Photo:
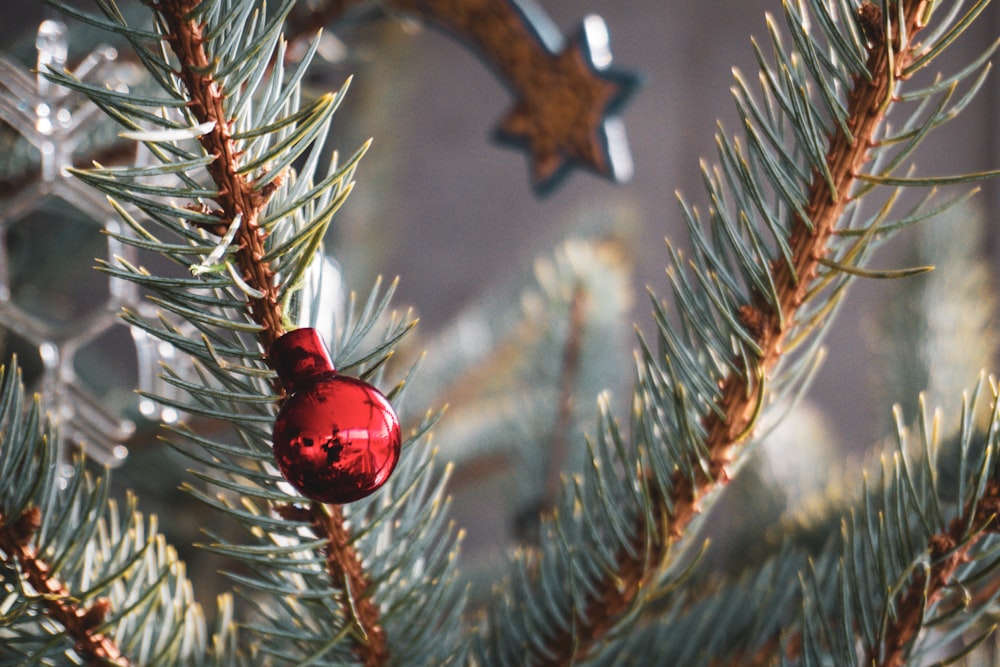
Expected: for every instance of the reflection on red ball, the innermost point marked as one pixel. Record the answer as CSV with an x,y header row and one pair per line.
x,y
336,438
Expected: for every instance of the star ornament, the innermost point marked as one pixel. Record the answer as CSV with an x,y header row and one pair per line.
x,y
566,94
566,112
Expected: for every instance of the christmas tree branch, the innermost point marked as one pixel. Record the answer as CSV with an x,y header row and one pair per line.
x,y
947,552
79,621
344,565
241,199
233,141
237,195
768,320
829,194
83,582
346,571
908,562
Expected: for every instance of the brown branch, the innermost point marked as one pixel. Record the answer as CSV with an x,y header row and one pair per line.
x,y
344,566
237,197
846,154
948,551
79,621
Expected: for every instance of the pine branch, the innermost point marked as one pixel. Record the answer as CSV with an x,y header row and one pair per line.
x,y
80,621
83,583
918,565
732,422
21,519
229,136
767,272
346,571
908,566
947,552
237,196
243,200
345,567
829,194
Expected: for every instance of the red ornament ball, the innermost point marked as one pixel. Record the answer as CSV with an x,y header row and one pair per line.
x,y
336,438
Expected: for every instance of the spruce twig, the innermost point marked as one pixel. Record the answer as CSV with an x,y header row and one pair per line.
x,y
239,199
79,621
947,552
732,423
237,196
344,566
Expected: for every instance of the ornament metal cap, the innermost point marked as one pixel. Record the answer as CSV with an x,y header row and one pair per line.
x,y
298,356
